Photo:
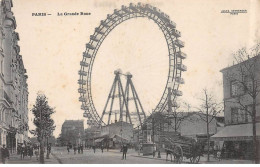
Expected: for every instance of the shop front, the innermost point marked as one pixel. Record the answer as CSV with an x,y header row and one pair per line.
x,y
11,141
237,141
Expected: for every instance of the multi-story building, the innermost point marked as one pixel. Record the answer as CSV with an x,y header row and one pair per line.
x,y
238,106
72,132
13,82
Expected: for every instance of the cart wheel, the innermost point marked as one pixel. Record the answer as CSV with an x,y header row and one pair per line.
x,y
196,159
178,157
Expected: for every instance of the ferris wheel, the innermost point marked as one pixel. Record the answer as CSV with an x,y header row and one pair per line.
x,y
176,56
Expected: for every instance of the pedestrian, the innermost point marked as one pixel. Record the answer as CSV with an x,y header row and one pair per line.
x,y
75,148
23,149
48,149
68,148
102,147
30,151
219,155
4,154
81,148
36,152
78,148
124,149
94,148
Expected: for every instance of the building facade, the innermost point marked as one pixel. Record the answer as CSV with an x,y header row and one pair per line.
x,y
114,135
188,124
238,107
72,132
13,82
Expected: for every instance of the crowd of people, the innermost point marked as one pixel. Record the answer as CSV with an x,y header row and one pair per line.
x,y
26,150
76,148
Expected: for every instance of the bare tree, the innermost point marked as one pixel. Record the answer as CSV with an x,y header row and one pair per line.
x,y
181,112
246,86
208,111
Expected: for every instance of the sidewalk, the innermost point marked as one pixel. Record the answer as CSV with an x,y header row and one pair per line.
x,y
16,159
203,159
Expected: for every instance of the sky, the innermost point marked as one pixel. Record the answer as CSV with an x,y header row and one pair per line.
x,y
52,48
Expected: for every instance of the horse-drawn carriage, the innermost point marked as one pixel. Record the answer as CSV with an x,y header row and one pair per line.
x,y
180,147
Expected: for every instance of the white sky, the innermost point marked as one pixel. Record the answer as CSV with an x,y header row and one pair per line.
x,y
52,48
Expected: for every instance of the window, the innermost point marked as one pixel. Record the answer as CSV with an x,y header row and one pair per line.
x,y
249,83
239,116
234,88
234,115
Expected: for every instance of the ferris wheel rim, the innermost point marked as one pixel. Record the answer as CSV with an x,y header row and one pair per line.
x,y
173,58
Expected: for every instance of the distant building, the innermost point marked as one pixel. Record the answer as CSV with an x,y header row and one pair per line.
x,y
114,134
72,131
190,126
13,83
237,134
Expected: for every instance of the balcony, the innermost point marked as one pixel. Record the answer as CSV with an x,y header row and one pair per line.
x,y
179,80
84,64
17,36
176,33
181,55
171,24
82,82
83,73
181,67
82,99
177,92
11,19
89,46
17,49
86,55
99,31
81,90
179,43
5,96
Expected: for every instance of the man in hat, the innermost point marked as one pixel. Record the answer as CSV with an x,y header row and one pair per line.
x,y
4,154
124,149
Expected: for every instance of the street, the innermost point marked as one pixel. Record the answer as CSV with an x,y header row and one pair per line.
x,y
60,155
110,157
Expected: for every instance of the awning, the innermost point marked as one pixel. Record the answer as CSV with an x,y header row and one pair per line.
x,y
237,132
121,139
99,140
